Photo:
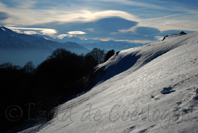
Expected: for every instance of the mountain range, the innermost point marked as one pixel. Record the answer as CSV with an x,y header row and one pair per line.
x,y
19,48
9,38
91,43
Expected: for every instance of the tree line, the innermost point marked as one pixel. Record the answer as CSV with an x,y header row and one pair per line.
x,y
60,77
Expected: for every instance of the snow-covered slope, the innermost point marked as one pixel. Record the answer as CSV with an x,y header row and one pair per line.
x,y
148,89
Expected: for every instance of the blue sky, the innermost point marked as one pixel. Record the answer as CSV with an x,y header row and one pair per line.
x,y
132,20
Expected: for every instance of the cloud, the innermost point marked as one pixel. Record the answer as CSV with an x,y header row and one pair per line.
x,y
30,32
4,15
159,37
99,28
116,19
159,5
146,31
44,31
104,29
133,3
19,3
140,34
76,32
48,31
181,21
26,15
107,26
112,24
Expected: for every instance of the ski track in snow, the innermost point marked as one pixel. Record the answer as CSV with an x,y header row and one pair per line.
x,y
132,100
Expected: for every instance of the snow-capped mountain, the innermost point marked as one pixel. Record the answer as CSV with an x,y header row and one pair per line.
x,y
71,38
148,89
90,43
8,38
65,39
20,48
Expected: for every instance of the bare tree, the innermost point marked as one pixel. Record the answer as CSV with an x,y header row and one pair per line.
x,y
97,54
29,67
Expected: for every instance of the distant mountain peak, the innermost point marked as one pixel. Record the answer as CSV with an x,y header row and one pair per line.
x,y
2,28
6,29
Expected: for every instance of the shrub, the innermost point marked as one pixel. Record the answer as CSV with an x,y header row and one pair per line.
x,y
109,54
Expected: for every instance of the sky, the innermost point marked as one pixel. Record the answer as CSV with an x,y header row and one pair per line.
x,y
139,21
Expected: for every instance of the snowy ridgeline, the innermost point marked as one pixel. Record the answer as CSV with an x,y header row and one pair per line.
x,y
153,88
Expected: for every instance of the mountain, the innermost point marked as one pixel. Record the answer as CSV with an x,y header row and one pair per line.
x,y
90,43
147,89
68,39
65,39
11,39
20,48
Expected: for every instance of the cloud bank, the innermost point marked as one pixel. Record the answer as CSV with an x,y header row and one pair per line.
x,y
102,19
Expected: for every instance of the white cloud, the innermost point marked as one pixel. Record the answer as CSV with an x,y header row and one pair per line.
x,y
133,3
156,4
183,21
30,32
48,31
130,29
91,16
44,31
76,32
26,16
159,37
